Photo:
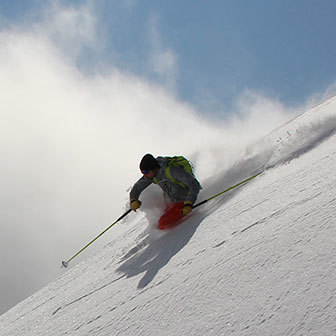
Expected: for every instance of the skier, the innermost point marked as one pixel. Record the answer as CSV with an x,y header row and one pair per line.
x,y
174,176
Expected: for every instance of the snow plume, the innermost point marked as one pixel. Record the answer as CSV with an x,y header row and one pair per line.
x,y
288,141
71,143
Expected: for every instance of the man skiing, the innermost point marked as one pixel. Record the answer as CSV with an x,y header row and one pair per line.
x,y
174,176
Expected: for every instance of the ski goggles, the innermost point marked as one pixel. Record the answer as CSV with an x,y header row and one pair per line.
x,y
145,172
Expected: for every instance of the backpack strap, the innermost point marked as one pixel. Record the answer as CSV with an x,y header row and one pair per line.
x,y
170,177
168,174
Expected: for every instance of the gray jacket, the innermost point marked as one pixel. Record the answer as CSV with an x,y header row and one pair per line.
x,y
173,191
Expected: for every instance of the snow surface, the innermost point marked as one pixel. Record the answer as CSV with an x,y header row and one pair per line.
x,y
259,260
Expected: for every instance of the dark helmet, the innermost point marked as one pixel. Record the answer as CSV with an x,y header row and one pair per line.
x,y
149,162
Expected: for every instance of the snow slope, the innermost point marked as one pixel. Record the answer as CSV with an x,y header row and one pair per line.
x,y
257,261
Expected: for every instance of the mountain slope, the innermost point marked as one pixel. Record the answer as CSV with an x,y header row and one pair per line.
x,y
258,261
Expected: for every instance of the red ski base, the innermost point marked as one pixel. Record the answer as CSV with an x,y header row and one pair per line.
x,y
171,217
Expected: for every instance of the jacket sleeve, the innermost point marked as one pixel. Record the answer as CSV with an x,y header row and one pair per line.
x,y
187,179
139,187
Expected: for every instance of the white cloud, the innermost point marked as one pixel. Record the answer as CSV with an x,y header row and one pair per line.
x,y
163,61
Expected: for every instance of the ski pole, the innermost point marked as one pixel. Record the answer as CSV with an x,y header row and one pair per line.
x,y
65,263
226,190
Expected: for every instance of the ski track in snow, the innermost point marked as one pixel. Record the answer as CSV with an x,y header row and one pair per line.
x,y
258,261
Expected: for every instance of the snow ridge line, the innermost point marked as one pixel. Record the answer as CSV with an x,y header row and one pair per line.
x,y
86,295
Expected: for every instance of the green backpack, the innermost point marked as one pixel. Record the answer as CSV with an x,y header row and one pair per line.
x,y
176,161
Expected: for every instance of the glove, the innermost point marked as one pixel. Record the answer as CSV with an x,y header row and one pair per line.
x,y
186,209
135,204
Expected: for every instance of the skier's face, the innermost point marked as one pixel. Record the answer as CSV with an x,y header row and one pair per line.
x,y
150,173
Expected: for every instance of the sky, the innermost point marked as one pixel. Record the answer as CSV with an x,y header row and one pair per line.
x,y
89,87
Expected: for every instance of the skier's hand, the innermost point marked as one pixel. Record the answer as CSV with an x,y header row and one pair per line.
x,y
135,204
186,209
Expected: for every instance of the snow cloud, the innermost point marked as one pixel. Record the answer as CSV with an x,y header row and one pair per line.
x,y
70,28
71,142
